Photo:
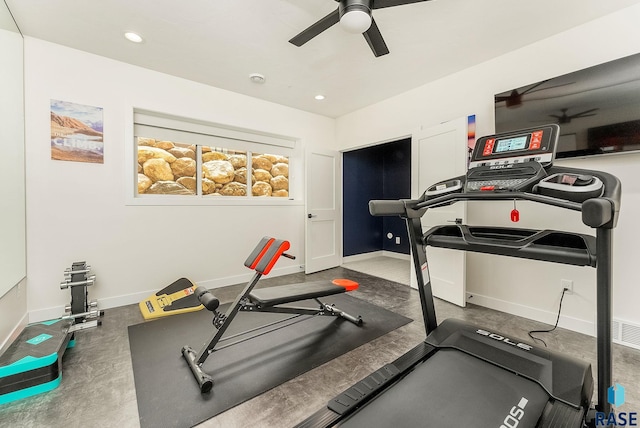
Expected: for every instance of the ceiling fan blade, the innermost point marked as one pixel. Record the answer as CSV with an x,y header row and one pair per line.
x,y
551,87
375,40
526,91
315,29
379,4
585,113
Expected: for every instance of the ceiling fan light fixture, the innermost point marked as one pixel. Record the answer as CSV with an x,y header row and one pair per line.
x,y
355,15
356,21
514,100
515,103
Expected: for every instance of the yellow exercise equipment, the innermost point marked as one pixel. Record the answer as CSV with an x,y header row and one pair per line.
x,y
176,298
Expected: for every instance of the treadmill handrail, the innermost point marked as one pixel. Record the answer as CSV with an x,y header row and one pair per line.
x,y
402,207
497,196
596,212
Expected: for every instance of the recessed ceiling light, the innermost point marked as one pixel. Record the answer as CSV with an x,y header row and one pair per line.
x,y
319,97
135,38
257,78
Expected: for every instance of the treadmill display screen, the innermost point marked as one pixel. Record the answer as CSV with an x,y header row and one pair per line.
x,y
533,144
511,144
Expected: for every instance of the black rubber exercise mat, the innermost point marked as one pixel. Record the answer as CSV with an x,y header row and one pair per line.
x,y
167,393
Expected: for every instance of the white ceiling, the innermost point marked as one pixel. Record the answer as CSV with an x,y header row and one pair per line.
x,y
221,42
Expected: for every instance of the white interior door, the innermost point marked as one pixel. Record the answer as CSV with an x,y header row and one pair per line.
x,y
323,230
440,153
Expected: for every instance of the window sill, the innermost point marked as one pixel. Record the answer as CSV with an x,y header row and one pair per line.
x,y
177,200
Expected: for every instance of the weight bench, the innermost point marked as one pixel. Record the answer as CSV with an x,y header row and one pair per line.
x,y
270,299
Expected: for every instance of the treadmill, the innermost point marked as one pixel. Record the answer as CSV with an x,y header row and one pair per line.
x,y
463,375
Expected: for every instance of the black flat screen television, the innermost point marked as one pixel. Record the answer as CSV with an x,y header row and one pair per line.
x,y
598,108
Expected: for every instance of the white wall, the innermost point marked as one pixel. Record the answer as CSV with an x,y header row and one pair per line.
x,y
13,300
523,287
76,211
12,202
13,307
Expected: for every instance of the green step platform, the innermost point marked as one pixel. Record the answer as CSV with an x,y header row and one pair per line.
x,y
33,362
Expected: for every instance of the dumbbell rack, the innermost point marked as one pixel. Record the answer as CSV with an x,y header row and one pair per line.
x,y
84,313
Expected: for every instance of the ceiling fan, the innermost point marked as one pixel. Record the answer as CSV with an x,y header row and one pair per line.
x,y
514,99
565,118
355,17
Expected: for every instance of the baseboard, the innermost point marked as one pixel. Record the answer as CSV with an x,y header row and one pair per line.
x,y
394,255
360,257
245,277
569,323
15,332
134,298
374,254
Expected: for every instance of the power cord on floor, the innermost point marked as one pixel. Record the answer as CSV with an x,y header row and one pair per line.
x,y
564,290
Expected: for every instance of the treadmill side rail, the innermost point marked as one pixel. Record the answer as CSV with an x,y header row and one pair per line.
x,y
327,417
367,387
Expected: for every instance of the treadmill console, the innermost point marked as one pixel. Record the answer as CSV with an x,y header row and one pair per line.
x,y
512,161
521,161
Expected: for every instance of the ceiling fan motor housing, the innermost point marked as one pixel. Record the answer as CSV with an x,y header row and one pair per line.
x,y
353,5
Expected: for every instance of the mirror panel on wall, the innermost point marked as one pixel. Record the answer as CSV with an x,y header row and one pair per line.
x,y
12,171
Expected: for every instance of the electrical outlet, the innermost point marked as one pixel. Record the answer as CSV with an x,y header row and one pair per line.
x,y
568,284
397,240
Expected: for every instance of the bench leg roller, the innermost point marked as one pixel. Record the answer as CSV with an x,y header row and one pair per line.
x,y
337,312
204,380
356,320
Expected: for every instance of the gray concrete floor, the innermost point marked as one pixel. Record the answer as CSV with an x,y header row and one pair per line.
x,y
98,389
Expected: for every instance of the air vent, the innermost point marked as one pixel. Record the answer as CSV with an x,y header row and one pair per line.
x,y
626,334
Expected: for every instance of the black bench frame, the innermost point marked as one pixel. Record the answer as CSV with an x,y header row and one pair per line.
x,y
262,259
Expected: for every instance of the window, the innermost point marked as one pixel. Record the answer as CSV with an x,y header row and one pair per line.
x,y
224,172
183,160
270,176
166,167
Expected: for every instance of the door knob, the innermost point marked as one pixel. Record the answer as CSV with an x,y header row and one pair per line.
x,y
311,215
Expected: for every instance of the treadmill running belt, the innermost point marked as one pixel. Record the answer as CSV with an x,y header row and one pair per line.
x,y
453,389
